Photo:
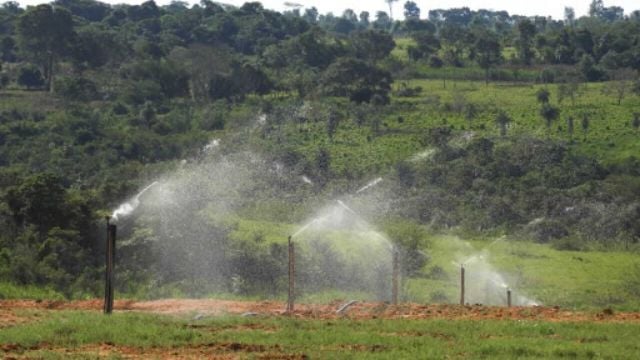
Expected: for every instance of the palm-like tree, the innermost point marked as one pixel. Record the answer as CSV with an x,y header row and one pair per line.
x,y
390,3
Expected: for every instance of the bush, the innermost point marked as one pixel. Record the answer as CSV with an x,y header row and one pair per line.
x,y
545,230
568,244
547,76
30,77
632,282
120,109
439,297
435,62
4,80
76,89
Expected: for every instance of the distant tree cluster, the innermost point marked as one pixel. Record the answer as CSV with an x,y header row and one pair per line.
x,y
207,52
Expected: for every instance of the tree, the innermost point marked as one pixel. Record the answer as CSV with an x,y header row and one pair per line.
x,y
585,123
470,113
542,95
488,52
30,77
371,45
390,3
203,64
323,163
524,44
589,69
595,8
570,89
383,21
333,120
148,115
355,79
549,113
38,200
570,16
44,33
503,120
570,126
617,88
411,10
426,45
364,19
455,41
311,15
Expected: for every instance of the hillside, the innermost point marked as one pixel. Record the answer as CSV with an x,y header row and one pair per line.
x,y
243,125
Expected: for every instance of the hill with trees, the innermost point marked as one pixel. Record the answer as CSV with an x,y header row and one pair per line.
x,y
482,122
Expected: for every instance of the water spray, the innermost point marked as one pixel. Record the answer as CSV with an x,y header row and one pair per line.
x,y
306,180
369,185
124,209
128,207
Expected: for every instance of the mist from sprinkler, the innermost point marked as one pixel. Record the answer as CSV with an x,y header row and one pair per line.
x,y
364,250
127,208
485,284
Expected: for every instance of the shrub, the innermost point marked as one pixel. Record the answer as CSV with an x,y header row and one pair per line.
x,y
120,109
76,89
30,77
4,80
435,62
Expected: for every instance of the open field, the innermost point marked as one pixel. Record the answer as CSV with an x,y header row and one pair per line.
x,y
183,329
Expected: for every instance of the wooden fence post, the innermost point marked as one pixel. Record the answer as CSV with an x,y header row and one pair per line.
x,y
292,276
109,259
395,275
462,285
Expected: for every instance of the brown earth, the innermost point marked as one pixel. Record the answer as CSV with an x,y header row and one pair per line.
x,y
362,310
14,312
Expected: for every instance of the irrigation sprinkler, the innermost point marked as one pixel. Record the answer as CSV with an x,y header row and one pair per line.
x,y
508,297
292,277
110,255
395,275
462,284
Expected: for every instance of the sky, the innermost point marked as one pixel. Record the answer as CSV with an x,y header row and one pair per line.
x,y
518,7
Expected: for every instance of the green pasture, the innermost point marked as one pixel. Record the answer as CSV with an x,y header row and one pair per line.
x,y
571,279
64,334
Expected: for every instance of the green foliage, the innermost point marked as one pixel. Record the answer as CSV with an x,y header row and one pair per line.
x,y
76,88
163,81
30,77
356,80
549,113
12,291
45,34
371,45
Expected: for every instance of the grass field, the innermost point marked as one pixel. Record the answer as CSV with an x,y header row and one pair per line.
x,y
572,279
358,151
83,334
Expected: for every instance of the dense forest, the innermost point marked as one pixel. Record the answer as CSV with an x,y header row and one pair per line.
x,y
99,100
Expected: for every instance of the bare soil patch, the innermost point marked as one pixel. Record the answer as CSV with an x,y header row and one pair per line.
x,y
212,307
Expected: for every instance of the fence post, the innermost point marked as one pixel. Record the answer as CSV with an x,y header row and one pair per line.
x,y
395,275
292,275
109,259
462,285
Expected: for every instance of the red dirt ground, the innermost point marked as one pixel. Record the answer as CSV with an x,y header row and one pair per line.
x,y
326,311
12,312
